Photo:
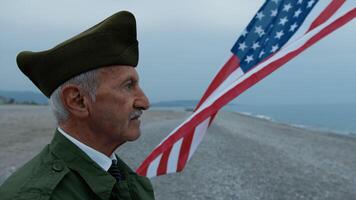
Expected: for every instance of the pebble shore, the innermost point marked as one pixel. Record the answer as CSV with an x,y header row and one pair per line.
x,y
241,157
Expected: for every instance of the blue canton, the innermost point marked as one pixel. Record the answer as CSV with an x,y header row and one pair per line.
x,y
273,25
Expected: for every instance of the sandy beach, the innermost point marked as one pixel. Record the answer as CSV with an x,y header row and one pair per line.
x,y
241,157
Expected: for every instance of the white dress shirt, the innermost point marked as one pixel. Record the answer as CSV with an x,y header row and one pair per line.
x,y
101,159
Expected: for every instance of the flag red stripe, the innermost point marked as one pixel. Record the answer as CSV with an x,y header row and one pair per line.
x,y
327,13
162,167
238,89
212,117
143,168
231,65
184,150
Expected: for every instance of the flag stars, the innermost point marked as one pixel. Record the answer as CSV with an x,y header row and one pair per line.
x,y
259,31
293,27
283,21
244,32
287,7
260,15
249,59
300,2
279,34
297,13
255,45
310,3
242,46
261,54
274,48
274,13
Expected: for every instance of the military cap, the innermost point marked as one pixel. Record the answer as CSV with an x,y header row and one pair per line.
x,y
111,42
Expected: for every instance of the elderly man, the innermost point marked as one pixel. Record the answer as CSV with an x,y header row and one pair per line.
x,y
94,92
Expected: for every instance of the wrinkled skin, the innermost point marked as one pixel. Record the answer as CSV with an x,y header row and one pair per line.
x,y
118,96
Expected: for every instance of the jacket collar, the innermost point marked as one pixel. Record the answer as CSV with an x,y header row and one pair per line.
x,y
101,159
98,180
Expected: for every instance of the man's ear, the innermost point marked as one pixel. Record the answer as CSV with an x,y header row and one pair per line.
x,y
75,101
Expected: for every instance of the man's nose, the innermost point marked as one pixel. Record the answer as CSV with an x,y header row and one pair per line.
x,y
142,100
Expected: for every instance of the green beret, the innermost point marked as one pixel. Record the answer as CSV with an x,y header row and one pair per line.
x,y
111,42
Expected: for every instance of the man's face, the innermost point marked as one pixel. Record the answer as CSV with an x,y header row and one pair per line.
x,y
118,98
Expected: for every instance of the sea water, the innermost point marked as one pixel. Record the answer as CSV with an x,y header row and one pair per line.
x,y
339,118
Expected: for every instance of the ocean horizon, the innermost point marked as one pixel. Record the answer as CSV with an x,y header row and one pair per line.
x,y
336,118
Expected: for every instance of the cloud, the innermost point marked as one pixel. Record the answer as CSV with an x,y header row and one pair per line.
x,y
178,39
152,15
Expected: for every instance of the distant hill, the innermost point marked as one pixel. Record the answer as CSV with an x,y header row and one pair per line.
x,y
178,103
24,97
3,100
190,104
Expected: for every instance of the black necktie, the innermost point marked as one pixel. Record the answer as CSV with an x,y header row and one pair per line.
x,y
115,171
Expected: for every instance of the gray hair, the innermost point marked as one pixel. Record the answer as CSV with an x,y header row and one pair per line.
x,y
86,81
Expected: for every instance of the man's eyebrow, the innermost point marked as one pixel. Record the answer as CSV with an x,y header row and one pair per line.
x,y
131,78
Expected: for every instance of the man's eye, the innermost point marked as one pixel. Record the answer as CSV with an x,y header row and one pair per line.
x,y
129,85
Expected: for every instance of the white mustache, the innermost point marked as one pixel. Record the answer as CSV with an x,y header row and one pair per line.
x,y
136,114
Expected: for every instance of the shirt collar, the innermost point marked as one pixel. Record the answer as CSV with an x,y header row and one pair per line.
x,y
100,181
101,159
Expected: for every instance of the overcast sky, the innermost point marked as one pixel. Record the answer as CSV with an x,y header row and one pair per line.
x,y
182,45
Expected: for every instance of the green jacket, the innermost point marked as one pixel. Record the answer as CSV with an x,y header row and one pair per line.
x,y
63,171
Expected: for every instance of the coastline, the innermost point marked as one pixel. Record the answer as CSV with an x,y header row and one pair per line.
x,y
311,128
241,157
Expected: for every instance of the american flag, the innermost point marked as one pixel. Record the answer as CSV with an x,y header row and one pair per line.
x,y
280,31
